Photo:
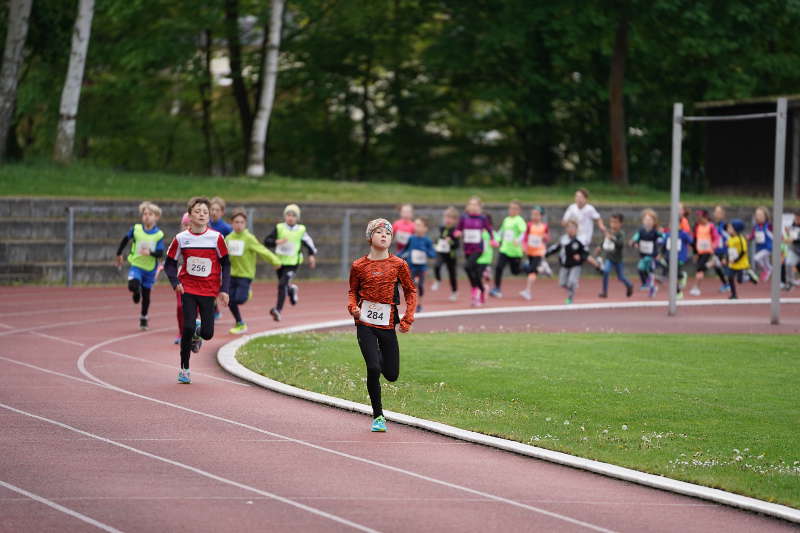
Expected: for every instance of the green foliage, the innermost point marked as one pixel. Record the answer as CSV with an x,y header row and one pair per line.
x,y
692,407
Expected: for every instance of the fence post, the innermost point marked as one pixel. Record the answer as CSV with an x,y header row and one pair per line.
x,y
251,213
69,244
777,209
345,261
674,222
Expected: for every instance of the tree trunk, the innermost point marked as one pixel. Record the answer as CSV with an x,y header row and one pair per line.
x,y
18,13
258,138
239,87
205,97
366,124
71,94
619,151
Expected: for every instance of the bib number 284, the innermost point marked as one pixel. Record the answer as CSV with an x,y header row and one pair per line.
x,y
375,313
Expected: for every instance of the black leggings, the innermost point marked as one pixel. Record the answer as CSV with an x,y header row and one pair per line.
x,y
382,356
419,280
135,286
239,293
285,274
191,303
474,270
450,262
503,260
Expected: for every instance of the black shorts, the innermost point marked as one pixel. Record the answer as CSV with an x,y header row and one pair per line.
x,y
534,262
702,262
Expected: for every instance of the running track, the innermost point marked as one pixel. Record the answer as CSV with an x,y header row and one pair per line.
x,y
97,434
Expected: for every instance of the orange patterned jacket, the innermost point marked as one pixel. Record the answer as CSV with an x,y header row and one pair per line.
x,y
377,281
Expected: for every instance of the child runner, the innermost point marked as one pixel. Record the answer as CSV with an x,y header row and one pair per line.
x,y
416,253
217,213
705,239
446,248
684,245
511,232
244,249
185,224
289,238
471,226
646,240
403,227
683,215
792,241
204,278
612,248
536,237
146,248
372,301
571,255
485,263
738,262
586,216
721,250
762,235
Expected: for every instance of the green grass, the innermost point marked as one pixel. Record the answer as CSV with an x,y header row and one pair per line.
x,y
88,181
720,411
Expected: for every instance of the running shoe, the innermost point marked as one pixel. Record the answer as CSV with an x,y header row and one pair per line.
x,y
435,286
603,295
629,291
752,276
763,276
177,340
379,424
293,290
453,297
733,297
679,296
276,315
695,291
217,314
643,288
725,288
197,342
568,301
653,290
476,297
184,376
238,329
143,325
495,293
526,294
683,280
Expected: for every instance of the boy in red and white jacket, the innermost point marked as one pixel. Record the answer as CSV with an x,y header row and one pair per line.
x,y
204,278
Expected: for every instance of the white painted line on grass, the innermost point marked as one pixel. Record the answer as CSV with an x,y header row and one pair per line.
x,y
54,338
58,507
82,368
134,358
312,510
226,356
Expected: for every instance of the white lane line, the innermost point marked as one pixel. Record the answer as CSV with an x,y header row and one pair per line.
x,y
82,368
54,338
57,507
119,354
77,323
6,326
48,371
209,475
59,310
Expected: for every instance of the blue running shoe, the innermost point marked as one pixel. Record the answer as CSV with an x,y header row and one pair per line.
x,y
177,340
379,424
725,288
184,376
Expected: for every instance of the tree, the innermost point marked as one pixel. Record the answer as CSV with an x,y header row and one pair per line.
x,y
235,56
18,13
258,139
71,94
616,104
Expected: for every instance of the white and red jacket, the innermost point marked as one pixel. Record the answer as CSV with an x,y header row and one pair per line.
x,y
206,267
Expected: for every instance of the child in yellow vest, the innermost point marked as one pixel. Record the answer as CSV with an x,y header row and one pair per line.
x,y
288,240
737,261
146,247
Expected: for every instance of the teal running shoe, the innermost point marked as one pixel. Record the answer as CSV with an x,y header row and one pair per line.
x,y
184,376
568,301
378,424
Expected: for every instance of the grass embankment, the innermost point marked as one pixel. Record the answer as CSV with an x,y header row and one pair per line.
x,y
102,183
720,411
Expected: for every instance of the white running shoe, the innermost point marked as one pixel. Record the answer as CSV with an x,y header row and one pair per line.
x,y
435,286
695,291
526,294
453,297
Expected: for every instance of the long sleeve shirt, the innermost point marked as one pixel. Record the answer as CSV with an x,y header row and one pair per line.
x,y
567,248
244,249
376,282
417,252
471,228
206,267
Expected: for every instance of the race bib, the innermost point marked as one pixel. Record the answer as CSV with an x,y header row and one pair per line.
x,y
199,267
646,247
794,234
508,235
287,248
402,237
375,313
761,237
443,246
703,245
147,245
733,255
235,247
472,236
535,241
608,245
418,257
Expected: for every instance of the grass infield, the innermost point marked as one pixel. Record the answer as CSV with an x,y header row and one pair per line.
x,y
81,180
719,411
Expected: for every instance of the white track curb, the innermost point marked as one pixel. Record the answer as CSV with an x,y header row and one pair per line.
x,y
226,356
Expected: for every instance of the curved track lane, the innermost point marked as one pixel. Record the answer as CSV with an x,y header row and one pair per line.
x,y
97,434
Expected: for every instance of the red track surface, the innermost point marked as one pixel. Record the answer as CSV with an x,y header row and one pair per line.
x,y
150,455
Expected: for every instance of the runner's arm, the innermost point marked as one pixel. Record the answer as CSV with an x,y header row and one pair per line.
x,y
171,263
269,240
262,251
352,293
410,295
308,244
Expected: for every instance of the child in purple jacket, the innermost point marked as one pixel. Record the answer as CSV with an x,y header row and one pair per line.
x,y
470,227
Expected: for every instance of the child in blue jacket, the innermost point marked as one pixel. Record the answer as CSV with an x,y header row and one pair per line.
x,y
416,253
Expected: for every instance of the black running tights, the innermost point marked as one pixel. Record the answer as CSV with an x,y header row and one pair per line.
x,y
191,303
382,356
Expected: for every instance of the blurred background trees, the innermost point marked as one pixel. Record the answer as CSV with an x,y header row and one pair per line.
x,y
426,91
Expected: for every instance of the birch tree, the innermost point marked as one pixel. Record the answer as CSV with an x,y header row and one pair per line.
x,y
18,13
71,94
258,137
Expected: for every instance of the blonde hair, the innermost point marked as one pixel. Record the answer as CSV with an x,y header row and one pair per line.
x,y
651,213
475,199
763,210
219,201
572,222
451,211
292,208
150,206
239,212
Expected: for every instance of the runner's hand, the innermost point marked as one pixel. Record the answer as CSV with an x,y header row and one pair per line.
x,y
223,298
118,261
404,328
355,314
312,261
179,288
